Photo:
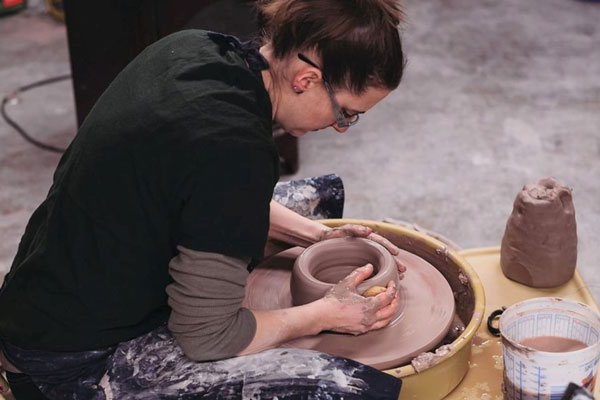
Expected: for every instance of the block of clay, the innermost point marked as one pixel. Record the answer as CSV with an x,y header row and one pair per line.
x,y
539,247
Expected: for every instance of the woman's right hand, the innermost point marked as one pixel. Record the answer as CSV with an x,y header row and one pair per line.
x,y
344,310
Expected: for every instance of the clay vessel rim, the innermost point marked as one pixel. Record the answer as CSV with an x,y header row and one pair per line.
x,y
380,252
356,241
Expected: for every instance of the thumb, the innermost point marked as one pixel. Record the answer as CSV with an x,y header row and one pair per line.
x,y
359,275
359,230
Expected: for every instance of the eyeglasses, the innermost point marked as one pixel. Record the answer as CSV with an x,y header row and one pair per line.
x,y
343,119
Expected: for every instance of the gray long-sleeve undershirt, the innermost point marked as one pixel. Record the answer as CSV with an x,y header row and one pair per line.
x,y
207,318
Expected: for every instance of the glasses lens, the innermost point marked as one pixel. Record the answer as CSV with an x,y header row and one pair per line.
x,y
352,119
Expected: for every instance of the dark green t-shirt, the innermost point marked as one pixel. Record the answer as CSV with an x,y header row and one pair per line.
x,y
178,150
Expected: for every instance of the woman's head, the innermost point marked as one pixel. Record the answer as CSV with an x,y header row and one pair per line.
x,y
356,42
330,59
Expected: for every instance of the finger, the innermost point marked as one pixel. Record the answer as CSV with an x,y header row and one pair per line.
x,y
348,230
401,267
391,289
385,298
358,275
358,230
379,324
351,230
392,248
360,331
388,311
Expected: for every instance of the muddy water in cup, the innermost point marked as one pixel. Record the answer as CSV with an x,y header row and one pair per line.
x,y
553,344
548,342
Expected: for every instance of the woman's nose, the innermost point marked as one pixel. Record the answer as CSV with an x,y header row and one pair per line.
x,y
339,129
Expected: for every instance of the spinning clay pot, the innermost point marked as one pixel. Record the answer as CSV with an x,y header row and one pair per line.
x,y
324,264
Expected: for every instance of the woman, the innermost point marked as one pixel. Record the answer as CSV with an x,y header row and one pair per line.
x,y
161,206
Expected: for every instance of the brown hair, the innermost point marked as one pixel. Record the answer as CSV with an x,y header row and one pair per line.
x,y
357,40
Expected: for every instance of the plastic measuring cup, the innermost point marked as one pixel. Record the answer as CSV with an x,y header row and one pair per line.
x,y
534,374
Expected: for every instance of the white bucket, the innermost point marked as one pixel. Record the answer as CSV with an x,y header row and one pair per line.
x,y
534,374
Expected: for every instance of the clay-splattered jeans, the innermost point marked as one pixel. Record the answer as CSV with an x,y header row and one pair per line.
x,y
153,366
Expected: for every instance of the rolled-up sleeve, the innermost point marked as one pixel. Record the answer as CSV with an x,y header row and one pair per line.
x,y
207,318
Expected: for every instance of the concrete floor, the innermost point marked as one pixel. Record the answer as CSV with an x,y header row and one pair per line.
x,y
495,95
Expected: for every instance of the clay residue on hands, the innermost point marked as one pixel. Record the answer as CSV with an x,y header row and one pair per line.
x,y
346,295
539,247
345,292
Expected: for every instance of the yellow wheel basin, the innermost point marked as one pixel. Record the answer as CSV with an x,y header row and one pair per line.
x,y
440,379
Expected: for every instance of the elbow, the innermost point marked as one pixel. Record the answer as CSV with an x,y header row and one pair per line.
x,y
214,341
203,347
195,352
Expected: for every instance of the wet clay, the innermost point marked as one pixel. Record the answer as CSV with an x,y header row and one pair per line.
x,y
429,359
324,264
553,344
424,316
539,247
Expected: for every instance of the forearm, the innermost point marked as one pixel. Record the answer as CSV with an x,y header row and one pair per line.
x,y
290,227
207,318
275,327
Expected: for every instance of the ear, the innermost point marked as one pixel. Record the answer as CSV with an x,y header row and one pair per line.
x,y
305,79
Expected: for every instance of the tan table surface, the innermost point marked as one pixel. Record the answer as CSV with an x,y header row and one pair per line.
x,y
484,378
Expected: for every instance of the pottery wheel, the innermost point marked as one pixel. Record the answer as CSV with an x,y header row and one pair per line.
x,y
423,319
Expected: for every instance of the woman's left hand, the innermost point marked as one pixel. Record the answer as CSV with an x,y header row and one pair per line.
x,y
352,230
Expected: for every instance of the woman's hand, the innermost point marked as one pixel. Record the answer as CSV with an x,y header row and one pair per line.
x,y
346,311
352,230
342,309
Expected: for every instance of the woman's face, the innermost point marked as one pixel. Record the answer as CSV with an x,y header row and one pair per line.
x,y
312,110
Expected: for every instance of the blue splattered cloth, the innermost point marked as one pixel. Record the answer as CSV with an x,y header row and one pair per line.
x,y
153,366
320,197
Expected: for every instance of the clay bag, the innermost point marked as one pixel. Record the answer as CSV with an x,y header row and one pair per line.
x,y
539,247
